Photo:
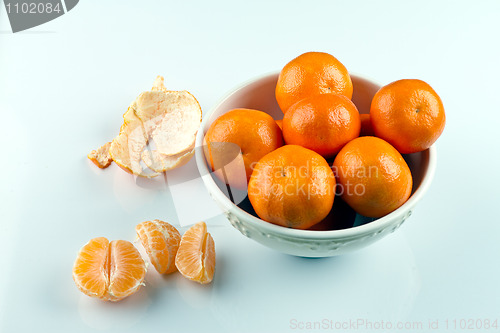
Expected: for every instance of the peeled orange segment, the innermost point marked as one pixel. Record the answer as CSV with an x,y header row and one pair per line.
x,y
100,156
109,271
126,269
196,255
161,163
161,242
90,270
169,119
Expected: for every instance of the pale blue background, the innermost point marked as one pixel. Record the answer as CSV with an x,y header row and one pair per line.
x,y
64,86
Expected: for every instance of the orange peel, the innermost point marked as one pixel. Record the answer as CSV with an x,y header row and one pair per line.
x,y
100,156
160,163
169,120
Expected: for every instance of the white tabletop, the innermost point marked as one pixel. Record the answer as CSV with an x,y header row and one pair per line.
x,y
64,86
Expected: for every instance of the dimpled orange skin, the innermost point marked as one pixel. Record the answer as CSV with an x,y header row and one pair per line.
x,y
323,123
372,176
309,74
255,132
292,187
408,114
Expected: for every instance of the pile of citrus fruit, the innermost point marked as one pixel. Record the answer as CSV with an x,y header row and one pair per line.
x,y
287,172
114,270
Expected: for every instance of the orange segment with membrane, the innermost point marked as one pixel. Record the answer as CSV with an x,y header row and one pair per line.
x,y
107,270
126,269
196,255
161,241
90,270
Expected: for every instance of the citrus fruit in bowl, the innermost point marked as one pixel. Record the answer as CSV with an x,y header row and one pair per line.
x,y
342,230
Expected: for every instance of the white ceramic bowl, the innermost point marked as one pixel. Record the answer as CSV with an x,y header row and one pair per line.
x,y
259,94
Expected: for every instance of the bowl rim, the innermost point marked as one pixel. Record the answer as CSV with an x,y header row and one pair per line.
x,y
368,228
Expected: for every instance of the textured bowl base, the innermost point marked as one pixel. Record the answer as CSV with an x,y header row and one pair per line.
x,y
310,247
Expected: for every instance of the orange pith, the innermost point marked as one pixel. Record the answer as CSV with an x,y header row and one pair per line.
x,y
196,255
161,241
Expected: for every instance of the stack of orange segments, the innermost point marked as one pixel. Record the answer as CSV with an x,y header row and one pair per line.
x,y
114,270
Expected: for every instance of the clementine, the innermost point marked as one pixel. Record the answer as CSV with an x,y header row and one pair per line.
x,y
408,114
323,123
372,176
293,187
309,74
254,132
